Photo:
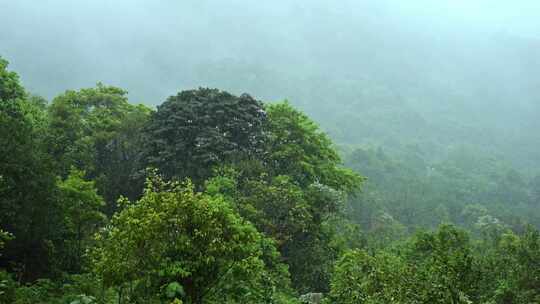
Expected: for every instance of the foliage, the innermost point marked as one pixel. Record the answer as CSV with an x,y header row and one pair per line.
x,y
194,241
291,194
27,206
513,268
10,87
4,237
465,189
441,267
97,130
443,264
197,129
298,148
74,289
81,206
362,278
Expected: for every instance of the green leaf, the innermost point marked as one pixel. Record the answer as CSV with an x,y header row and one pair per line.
x,y
174,289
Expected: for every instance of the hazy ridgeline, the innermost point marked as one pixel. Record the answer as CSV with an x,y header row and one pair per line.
x,y
430,170
439,73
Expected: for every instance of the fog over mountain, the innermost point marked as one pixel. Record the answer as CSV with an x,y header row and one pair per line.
x,y
453,72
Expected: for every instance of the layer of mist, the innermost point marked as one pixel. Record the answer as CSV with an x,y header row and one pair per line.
x,y
441,74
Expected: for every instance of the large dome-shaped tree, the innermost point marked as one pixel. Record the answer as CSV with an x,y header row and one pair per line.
x,y
197,129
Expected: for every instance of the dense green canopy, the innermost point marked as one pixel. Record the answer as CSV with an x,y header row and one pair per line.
x,y
246,202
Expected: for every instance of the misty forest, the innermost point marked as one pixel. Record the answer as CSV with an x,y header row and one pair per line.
x,y
289,151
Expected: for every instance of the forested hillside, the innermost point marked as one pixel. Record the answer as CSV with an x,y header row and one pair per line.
x,y
213,197
286,151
